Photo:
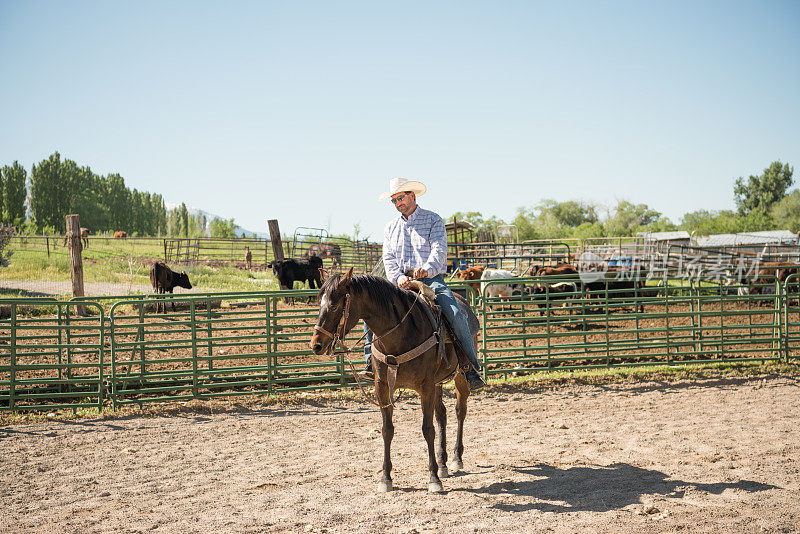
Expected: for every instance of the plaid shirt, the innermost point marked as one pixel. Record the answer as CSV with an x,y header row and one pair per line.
x,y
419,241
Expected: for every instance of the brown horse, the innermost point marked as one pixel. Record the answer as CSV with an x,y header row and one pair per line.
x,y
401,326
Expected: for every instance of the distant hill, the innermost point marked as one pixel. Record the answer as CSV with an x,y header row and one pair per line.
x,y
210,216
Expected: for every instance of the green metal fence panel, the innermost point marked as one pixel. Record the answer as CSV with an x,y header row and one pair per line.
x,y
51,357
560,326
221,345
224,344
791,317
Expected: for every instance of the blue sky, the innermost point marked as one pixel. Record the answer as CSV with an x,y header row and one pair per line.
x,y
303,111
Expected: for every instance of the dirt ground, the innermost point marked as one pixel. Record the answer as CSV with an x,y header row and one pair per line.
x,y
716,455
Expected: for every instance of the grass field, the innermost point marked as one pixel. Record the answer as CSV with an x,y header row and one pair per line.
x,y
119,266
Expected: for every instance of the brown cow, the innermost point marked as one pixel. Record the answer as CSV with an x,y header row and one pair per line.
x,y
768,272
472,273
561,269
120,234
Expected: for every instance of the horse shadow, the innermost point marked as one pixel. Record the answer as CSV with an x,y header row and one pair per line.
x,y
598,488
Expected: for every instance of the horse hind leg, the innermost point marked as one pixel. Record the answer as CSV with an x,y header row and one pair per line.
x,y
462,393
429,432
441,426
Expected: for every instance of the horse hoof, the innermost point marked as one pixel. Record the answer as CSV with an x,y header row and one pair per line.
x,y
435,487
443,472
456,466
385,487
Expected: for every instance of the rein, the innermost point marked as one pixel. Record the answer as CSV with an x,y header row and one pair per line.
x,y
338,339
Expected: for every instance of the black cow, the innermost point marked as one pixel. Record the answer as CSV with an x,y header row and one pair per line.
x,y
559,293
292,270
619,289
165,280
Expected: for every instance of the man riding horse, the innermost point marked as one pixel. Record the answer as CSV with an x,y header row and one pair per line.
x,y
415,247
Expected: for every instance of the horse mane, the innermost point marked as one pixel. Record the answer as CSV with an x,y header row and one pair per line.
x,y
379,290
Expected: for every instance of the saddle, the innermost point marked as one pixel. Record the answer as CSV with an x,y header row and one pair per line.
x,y
443,334
440,322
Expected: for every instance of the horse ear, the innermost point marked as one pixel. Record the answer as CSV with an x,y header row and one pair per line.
x,y
348,276
323,274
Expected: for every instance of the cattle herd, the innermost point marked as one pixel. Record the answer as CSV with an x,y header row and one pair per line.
x,y
557,292
613,281
498,285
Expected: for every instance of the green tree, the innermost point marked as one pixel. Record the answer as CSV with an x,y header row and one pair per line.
x,y
184,221
587,230
524,222
87,199
476,219
222,228
174,222
570,213
15,192
725,222
629,218
786,212
551,219
161,211
202,222
52,191
2,190
662,224
117,203
761,192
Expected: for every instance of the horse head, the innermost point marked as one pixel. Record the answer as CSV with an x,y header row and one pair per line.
x,y
335,318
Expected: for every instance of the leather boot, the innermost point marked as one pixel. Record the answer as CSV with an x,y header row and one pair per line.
x,y
474,380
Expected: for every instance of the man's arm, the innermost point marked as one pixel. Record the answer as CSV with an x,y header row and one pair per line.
x,y
437,260
390,261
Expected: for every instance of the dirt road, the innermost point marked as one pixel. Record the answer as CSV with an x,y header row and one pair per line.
x,y
707,456
91,289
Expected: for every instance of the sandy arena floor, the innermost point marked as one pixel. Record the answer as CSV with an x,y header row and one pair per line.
x,y
704,456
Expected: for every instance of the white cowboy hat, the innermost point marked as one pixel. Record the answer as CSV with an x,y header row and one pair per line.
x,y
397,185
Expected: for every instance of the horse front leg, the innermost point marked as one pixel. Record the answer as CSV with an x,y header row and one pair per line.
x,y
441,433
462,393
429,432
383,394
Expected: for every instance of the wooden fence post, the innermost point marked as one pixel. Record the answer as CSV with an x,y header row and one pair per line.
x,y
275,237
76,258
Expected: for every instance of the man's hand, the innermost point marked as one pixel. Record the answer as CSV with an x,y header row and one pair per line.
x,y
420,273
403,281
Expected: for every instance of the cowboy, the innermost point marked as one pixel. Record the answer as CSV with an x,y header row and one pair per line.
x,y
415,244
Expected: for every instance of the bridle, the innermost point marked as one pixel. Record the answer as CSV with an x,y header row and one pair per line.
x,y
338,336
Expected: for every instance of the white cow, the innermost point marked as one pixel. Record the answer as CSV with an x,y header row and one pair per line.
x,y
498,290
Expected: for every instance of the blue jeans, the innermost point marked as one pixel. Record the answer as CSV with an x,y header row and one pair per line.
x,y
458,321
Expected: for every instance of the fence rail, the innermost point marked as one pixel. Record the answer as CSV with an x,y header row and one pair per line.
x,y
220,344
